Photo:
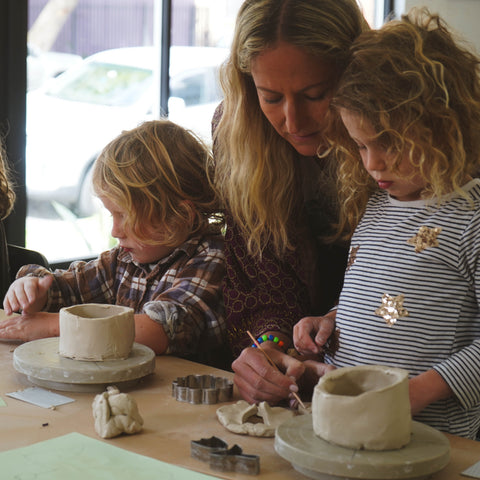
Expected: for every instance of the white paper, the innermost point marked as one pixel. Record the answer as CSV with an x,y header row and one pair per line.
x,y
473,471
41,397
78,457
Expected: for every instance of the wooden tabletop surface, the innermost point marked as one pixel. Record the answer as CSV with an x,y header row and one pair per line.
x,y
169,425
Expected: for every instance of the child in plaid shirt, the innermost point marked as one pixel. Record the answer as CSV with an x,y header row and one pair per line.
x,y
168,265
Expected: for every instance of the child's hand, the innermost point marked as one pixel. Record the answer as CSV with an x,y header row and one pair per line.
x,y
313,372
27,327
27,294
311,333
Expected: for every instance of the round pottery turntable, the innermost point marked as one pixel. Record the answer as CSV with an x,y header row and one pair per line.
x,y
40,362
426,453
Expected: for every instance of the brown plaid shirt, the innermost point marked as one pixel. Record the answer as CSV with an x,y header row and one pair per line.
x,y
182,292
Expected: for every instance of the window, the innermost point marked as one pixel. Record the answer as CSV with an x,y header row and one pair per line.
x,y
110,86
92,72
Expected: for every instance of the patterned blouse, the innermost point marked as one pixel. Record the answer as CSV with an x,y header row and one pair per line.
x,y
181,292
273,294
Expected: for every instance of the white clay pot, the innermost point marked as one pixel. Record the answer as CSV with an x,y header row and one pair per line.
x,y
96,332
363,407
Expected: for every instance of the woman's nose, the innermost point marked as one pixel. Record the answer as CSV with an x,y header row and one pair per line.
x,y
292,117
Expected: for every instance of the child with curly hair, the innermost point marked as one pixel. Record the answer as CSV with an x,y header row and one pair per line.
x,y
169,262
410,104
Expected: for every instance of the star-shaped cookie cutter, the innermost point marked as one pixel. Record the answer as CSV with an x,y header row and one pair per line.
x,y
207,389
221,458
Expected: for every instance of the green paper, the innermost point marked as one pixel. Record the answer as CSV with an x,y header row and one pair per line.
x,y
78,457
2,402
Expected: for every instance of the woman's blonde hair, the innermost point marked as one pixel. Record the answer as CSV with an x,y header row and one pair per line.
x,y
7,194
419,88
255,167
157,173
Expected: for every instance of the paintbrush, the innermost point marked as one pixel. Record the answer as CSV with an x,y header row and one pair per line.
x,y
272,363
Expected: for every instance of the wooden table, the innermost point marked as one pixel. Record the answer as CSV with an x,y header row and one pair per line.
x,y
169,425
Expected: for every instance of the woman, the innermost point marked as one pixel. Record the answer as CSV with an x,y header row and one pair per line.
x,y
286,58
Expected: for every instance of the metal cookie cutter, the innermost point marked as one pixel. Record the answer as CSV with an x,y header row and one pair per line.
x,y
234,460
201,449
214,450
207,389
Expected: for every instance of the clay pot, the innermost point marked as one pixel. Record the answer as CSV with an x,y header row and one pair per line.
x,y
96,332
363,407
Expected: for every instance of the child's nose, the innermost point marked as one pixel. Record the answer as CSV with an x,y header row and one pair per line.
x,y
374,161
117,229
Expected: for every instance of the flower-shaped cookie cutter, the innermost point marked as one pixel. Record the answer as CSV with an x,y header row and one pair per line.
x,y
215,451
207,389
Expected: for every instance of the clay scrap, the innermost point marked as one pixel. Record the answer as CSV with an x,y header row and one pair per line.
x,y
257,421
115,413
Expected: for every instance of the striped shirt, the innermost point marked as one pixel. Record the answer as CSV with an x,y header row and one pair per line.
x,y
182,292
432,278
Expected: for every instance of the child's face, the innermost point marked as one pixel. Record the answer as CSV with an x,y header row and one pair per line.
x,y
140,252
405,184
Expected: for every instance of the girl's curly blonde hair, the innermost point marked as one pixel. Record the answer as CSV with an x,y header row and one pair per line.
x,y
157,173
419,88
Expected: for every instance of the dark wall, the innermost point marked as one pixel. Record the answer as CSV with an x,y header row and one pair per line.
x,y
13,52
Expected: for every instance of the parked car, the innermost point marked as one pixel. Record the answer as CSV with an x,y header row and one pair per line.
x,y
75,115
43,65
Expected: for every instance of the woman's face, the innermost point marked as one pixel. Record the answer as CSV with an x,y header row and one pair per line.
x,y
294,89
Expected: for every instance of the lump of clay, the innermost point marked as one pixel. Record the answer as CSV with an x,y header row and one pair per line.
x,y
257,421
115,413
363,407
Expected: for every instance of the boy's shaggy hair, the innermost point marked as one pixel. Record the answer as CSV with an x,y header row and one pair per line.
x,y
157,173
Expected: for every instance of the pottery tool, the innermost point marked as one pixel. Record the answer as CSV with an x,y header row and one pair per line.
x,y
272,363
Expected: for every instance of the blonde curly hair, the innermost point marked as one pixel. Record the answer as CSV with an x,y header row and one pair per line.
x,y
7,193
157,172
256,169
419,87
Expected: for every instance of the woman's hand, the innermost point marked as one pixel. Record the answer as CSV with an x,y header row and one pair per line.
x,y
258,381
311,333
27,294
28,327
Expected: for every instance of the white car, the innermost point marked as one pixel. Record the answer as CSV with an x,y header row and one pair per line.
x,y
75,115
44,65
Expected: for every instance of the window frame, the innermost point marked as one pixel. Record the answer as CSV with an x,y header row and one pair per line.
x,y
13,87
